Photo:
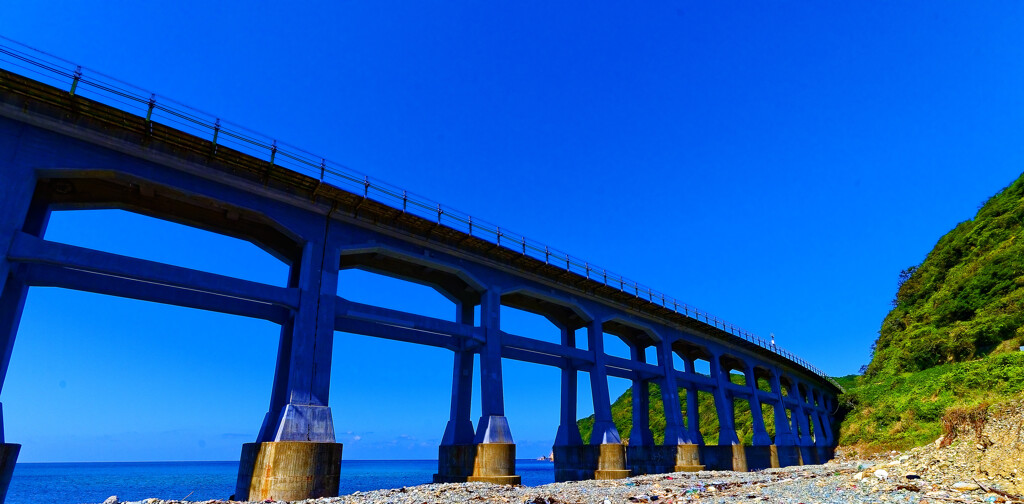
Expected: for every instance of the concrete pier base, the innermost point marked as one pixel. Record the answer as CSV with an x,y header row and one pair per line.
x,y
574,463
663,459
724,457
495,463
584,462
8,456
455,463
611,462
761,457
486,462
808,455
787,456
288,470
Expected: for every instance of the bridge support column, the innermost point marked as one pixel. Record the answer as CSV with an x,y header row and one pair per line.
x,y
495,458
808,455
572,462
729,455
457,452
19,212
692,408
677,453
826,426
640,435
760,437
611,457
296,456
821,443
762,454
786,452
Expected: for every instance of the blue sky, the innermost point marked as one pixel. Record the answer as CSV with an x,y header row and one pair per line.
x,y
775,164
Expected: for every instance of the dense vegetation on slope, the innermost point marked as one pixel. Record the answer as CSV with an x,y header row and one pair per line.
x,y
898,411
950,340
622,415
966,298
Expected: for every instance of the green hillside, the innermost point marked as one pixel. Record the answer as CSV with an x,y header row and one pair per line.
x,y
966,299
622,414
902,410
952,336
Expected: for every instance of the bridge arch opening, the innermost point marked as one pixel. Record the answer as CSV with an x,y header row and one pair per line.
x,y
532,387
168,363
453,283
630,337
764,379
127,233
111,190
149,397
693,358
385,291
391,399
397,358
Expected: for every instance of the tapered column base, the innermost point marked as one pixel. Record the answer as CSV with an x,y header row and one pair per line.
x,y
288,470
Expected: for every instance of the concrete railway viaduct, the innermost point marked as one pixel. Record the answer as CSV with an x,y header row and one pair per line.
x,y
81,142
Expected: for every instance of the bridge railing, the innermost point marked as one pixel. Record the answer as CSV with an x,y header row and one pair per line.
x,y
63,74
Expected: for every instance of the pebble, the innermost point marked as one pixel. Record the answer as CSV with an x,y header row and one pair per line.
x,y
881,474
832,483
961,486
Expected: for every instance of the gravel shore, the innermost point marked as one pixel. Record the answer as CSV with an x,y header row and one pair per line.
x,y
851,481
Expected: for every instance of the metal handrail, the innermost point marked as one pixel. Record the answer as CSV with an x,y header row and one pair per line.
x,y
63,74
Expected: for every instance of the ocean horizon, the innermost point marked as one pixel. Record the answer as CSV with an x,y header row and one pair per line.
x,y
94,482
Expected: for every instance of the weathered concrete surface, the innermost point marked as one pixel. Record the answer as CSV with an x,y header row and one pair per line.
x,y
288,470
495,463
486,462
611,462
455,463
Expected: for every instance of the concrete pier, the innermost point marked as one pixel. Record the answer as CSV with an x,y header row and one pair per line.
x,y
495,463
724,457
288,470
664,459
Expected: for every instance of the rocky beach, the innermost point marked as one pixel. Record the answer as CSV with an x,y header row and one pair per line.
x,y
921,476
838,482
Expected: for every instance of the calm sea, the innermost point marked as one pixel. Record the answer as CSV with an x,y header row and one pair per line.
x,y
74,483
